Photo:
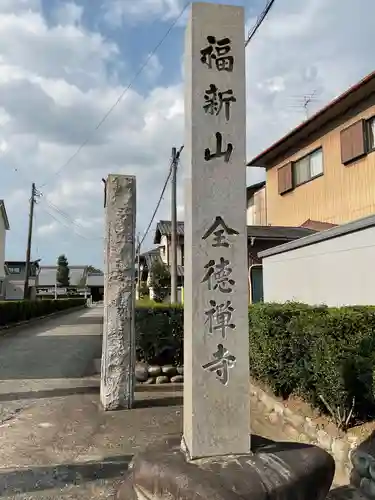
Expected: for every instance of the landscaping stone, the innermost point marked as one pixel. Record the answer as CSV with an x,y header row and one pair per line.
x,y
324,439
141,372
310,428
177,379
169,370
274,418
162,379
367,486
279,408
154,371
340,449
275,471
304,429
295,419
268,402
180,370
150,381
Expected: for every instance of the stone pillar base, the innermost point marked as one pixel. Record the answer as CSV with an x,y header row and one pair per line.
x,y
274,471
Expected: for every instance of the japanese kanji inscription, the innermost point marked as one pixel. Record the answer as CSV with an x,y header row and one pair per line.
x,y
218,54
222,362
216,341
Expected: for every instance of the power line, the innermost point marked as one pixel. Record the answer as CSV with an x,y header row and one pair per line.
x,y
65,224
259,21
66,216
160,198
140,70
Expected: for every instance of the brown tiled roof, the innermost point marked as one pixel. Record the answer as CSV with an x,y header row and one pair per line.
x,y
164,228
284,233
317,225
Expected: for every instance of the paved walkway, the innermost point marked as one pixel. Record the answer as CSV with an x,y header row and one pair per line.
x,y
48,359
55,440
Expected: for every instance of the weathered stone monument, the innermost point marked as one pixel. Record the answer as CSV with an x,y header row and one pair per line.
x,y
216,459
118,353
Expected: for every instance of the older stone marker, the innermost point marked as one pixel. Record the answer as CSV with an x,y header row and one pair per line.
x,y
118,355
215,462
216,339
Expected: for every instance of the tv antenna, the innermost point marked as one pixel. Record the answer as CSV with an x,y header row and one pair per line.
x,y
304,101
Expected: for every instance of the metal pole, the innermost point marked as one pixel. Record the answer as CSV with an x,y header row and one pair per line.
x,y
174,227
29,239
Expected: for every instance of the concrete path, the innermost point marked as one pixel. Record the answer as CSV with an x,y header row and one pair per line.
x,y
48,359
55,440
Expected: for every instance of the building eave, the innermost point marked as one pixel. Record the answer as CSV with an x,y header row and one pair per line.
x,y
4,215
351,97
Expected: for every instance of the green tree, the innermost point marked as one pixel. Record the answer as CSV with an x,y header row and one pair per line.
x,y
160,280
62,273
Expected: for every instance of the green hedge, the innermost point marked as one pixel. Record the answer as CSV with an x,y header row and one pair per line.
x,y
22,310
159,333
325,355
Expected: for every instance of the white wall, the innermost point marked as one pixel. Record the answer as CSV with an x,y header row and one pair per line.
x,y
164,242
14,290
256,209
338,271
164,251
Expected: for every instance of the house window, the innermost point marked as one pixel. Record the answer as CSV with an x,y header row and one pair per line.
x,y
371,134
14,270
284,178
353,143
308,167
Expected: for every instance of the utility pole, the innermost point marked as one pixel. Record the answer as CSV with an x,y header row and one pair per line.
x,y
29,238
174,227
138,266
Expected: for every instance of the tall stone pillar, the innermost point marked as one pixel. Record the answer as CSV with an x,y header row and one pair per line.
x,y
118,354
216,339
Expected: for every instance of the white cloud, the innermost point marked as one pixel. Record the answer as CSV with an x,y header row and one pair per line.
x,y
68,13
302,47
49,229
118,12
58,80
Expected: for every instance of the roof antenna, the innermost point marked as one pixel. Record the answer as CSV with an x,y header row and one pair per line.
x,y
304,101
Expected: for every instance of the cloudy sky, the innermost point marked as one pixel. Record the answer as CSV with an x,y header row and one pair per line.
x,y
64,64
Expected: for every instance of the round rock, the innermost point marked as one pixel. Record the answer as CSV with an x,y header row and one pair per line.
x,y
169,370
154,370
163,379
141,372
177,379
180,370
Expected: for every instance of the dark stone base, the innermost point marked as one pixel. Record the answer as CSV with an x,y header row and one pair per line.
x,y
274,471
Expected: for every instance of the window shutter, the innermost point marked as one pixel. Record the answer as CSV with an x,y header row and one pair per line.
x,y
285,178
353,143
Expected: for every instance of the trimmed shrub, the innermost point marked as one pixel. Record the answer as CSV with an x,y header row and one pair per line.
x,y
159,333
325,355
23,310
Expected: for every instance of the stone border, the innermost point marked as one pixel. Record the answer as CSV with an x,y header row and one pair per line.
x,y
301,428
13,327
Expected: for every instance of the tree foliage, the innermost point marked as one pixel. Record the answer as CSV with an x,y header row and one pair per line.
x,y
62,273
160,280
